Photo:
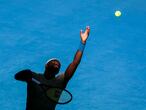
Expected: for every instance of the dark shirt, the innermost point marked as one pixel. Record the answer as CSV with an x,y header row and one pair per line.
x,y
36,98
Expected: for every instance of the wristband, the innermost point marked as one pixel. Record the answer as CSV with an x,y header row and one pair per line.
x,y
81,47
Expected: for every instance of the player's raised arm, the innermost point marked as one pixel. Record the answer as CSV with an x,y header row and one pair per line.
x,y
77,58
24,75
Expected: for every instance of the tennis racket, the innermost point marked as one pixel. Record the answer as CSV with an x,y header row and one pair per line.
x,y
55,94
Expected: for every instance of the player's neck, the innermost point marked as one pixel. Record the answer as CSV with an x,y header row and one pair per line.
x,y
48,75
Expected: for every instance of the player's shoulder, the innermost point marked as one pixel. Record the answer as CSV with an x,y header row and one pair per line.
x,y
61,79
60,76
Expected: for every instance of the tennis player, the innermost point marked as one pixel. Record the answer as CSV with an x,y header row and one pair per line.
x,y
36,100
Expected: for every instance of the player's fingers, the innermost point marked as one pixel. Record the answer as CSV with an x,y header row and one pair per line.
x,y
81,31
87,29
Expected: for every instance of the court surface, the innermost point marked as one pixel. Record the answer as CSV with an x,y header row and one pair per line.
x,y
112,74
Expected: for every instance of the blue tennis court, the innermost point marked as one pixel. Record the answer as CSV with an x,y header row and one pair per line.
x,y
112,73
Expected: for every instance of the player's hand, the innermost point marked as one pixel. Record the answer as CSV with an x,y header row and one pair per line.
x,y
84,35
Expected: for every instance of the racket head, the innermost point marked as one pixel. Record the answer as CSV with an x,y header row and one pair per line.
x,y
59,95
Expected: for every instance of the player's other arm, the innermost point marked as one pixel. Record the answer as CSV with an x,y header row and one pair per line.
x,y
77,58
24,75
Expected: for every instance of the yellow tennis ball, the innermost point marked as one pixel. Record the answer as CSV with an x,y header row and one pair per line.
x,y
118,13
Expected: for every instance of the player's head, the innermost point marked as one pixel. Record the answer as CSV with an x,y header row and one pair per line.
x,y
52,67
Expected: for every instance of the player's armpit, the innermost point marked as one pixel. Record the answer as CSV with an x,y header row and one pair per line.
x,y
24,75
